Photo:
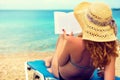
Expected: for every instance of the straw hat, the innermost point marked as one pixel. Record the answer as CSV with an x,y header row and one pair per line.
x,y
96,21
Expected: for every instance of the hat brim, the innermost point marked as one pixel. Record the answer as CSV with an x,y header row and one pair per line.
x,y
90,30
97,33
79,11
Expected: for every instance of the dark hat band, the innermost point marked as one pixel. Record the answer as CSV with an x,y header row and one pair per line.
x,y
96,22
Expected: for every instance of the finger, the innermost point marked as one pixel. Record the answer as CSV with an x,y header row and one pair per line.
x,y
67,34
64,32
49,69
72,34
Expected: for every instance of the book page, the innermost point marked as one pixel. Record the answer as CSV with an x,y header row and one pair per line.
x,y
66,21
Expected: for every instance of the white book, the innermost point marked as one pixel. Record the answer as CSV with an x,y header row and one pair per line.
x,y
66,21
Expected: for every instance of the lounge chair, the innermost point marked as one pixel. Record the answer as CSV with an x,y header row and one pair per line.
x,y
41,73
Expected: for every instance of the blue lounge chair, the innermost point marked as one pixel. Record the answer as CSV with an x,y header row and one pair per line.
x,y
41,73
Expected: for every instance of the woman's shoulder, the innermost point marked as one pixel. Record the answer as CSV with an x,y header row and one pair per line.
x,y
76,41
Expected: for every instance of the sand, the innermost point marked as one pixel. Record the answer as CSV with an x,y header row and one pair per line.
x,y
12,65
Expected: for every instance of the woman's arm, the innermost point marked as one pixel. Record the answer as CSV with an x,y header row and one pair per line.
x,y
64,56
110,70
65,49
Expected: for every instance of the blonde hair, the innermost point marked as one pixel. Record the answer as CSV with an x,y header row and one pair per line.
x,y
101,52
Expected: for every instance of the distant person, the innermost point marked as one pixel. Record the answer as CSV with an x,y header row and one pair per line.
x,y
76,58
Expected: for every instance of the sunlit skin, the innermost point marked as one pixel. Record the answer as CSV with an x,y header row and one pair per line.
x,y
67,46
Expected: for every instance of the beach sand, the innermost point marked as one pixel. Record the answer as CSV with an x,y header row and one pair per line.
x,y
12,65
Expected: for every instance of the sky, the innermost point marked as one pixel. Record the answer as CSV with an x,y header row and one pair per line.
x,y
48,4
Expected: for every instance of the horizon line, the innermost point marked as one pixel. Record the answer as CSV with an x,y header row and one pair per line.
x,y
45,9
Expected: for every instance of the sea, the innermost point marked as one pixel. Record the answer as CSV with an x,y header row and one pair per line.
x,y
32,30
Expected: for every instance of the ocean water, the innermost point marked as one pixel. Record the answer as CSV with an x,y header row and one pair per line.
x,y
31,30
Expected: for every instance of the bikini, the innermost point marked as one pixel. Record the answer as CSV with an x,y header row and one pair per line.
x,y
79,67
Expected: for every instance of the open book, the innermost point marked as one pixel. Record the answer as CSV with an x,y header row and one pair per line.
x,y
66,21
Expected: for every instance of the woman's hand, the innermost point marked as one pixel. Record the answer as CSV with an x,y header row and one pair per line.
x,y
66,36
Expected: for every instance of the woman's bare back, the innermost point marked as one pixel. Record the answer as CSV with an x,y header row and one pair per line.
x,y
79,64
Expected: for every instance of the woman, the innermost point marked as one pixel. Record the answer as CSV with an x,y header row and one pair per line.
x,y
76,58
